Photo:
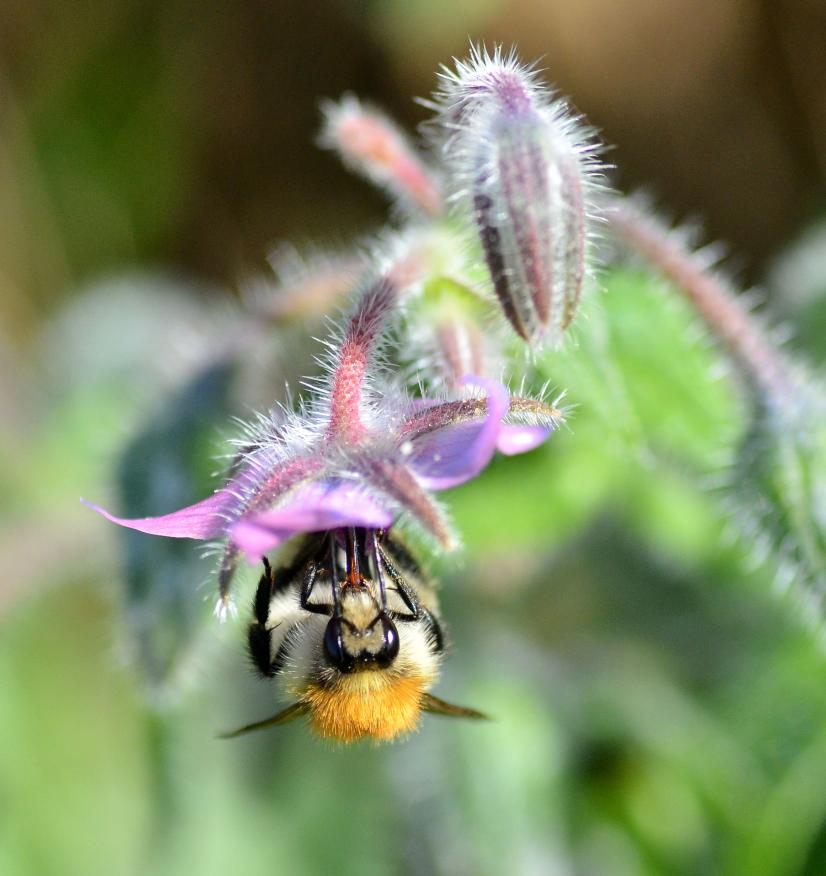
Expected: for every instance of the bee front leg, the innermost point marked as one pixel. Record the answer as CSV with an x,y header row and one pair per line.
x,y
307,585
404,590
259,637
416,611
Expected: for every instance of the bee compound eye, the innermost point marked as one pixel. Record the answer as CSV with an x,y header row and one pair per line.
x,y
390,642
334,648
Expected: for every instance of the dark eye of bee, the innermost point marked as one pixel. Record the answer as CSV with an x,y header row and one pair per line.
x,y
390,642
334,648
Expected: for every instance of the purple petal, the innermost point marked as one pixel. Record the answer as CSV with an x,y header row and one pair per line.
x,y
310,509
457,452
517,438
204,519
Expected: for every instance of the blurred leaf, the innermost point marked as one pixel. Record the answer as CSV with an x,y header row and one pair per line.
x,y
167,467
642,372
798,285
779,490
651,421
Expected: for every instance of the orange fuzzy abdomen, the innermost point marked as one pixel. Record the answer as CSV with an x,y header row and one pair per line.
x,y
366,704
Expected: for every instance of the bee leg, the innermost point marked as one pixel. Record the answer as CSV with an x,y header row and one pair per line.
x,y
408,598
401,587
402,557
438,641
307,585
416,611
226,572
258,636
263,595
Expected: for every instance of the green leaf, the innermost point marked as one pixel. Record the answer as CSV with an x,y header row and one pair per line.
x,y
779,489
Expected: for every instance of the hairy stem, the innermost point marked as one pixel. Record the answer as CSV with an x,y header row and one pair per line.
x,y
713,298
359,344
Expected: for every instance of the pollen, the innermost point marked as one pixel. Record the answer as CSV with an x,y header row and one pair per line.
x,y
366,705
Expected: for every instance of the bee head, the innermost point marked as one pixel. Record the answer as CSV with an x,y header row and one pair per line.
x,y
350,647
371,678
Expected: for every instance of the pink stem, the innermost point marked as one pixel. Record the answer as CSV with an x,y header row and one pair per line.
x,y
462,349
398,482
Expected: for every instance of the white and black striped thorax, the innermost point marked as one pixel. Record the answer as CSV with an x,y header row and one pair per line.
x,y
344,602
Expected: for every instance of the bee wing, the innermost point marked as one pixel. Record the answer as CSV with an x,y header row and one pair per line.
x,y
439,707
296,710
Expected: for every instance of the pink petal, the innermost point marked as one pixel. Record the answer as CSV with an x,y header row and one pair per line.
x,y
457,452
313,508
517,438
204,519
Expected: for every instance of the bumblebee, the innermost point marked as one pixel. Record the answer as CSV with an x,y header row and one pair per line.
x,y
349,627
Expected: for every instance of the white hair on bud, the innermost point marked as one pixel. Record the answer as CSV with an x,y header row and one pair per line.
x,y
525,169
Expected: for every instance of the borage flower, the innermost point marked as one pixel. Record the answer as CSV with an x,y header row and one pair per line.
x,y
357,456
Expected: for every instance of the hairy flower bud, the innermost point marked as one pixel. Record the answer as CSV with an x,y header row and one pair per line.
x,y
447,323
303,287
524,168
371,145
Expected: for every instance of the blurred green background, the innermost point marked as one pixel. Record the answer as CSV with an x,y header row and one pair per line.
x,y
659,696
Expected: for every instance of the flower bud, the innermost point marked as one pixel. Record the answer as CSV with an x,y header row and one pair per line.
x,y
303,287
371,145
447,327
525,169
